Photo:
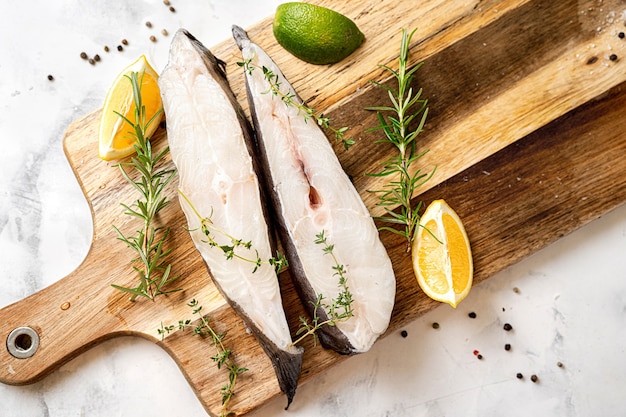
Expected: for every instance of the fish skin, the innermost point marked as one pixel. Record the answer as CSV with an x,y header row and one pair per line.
x,y
211,142
297,154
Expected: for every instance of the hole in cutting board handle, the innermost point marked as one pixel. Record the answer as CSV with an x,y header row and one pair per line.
x,y
23,342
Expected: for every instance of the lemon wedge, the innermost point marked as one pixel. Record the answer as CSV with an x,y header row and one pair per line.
x,y
442,257
116,137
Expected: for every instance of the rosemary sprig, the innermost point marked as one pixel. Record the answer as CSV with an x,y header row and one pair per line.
x,y
290,100
394,121
232,250
339,309
222,357
148,242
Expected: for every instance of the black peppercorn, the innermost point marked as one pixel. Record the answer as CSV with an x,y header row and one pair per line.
x,y
472,315
507,346
172,9
534,378
96,57
621,35
50,78
613,57
404,333
592,60
479,356
507,327
120,48
435,325
83,55
106,48
124,42
149,24
519,375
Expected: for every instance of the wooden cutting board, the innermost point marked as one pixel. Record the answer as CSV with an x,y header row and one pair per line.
x,y
526,130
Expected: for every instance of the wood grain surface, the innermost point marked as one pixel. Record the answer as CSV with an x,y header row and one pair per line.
x,y
526,131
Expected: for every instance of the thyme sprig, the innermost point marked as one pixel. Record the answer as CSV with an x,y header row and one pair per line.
x,y
232,250
406,107
339,309
222,357
148,242
290,99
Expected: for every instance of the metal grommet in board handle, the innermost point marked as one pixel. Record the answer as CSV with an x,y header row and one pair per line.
x,y
23,342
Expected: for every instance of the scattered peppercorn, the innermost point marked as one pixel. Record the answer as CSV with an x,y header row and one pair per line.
x,y
96,57
613,57
472,315
519,375
516,290
106,48
172,9
507,327
166,2
559,364
592,60
507,347
435,325
83,55
534,378
149,24
164,32
152,38
124,42
479,356
120,48
92,61
621,35
404,333
50,77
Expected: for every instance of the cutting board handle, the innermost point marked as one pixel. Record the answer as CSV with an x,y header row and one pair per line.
x,y
52,326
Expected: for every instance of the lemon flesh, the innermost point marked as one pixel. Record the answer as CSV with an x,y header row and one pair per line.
x,y
442,256
116,137
315,34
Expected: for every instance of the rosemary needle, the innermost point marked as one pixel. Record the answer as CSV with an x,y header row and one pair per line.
x,y
148,242
395,120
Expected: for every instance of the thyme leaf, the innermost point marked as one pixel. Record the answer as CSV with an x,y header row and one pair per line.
x,y
291,100
339,309
234,250
222,356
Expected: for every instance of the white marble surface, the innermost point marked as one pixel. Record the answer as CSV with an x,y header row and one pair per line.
x,y
571,304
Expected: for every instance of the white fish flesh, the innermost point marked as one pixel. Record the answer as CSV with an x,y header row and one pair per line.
x,y
311,193
210,141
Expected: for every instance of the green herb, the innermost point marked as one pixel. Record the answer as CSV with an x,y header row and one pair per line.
x,y
339,309
222,357
394,121
290,99
148,242
232,250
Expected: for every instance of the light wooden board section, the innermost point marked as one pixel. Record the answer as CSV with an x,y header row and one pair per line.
x,y
526,130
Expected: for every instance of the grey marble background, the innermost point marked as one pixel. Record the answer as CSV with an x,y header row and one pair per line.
x,y
570,307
